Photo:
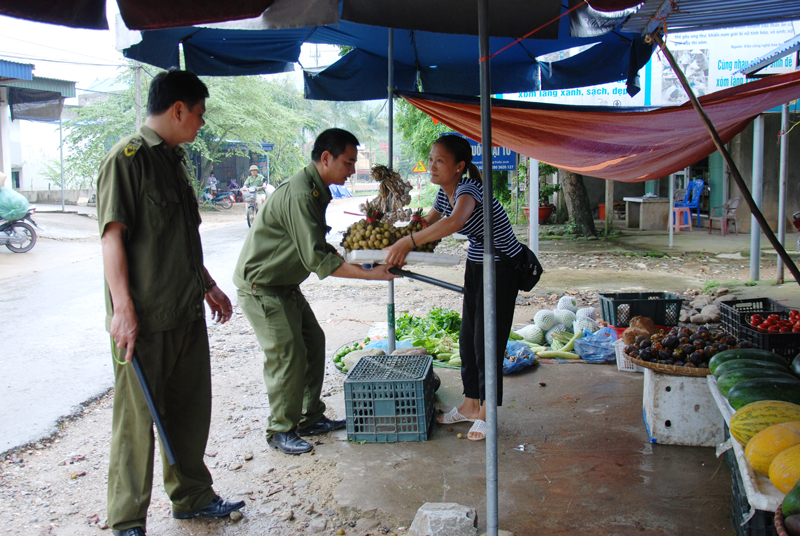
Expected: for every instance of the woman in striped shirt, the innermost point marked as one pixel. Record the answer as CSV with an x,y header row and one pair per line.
x,y
459,208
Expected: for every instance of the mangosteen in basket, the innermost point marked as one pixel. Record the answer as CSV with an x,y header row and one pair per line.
x,y
663,355
722,347
704,364
646,343
679,363
633,353
670,342
695,358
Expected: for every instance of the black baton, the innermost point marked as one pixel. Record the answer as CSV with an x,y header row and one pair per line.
x,y
166,444
426,279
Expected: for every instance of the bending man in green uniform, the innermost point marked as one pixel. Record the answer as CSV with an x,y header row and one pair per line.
x,y
155,287
285,244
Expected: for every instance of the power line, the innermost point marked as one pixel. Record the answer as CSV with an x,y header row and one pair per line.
x,y
53,48
45,60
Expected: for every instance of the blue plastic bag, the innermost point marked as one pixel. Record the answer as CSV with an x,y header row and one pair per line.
x,y
522,354
597,347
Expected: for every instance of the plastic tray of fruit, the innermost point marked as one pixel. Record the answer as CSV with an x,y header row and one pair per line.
x,y
761,494
369,256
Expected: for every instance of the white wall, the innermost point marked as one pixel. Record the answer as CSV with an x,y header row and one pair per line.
x,y
38,144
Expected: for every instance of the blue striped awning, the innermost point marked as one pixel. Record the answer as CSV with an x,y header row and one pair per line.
x,y
64,87
14,70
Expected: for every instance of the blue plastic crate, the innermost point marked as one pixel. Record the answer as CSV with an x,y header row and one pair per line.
x,y
389,398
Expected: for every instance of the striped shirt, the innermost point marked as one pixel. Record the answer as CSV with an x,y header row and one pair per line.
x,y
504,239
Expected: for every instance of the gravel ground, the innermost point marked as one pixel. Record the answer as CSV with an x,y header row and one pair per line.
x,y
58,485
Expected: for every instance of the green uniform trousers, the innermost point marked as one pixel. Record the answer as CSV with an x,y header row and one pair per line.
x,y
177,366
294,355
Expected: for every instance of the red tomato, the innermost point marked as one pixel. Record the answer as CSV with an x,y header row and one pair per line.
x,y
756,320
774,329
796,328
773,317
785,329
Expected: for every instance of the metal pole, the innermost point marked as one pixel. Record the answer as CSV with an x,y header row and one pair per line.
x,y
489,288
533,224
783,174
390,304
670,221
729,161
61,156
609,208
137,75
757,189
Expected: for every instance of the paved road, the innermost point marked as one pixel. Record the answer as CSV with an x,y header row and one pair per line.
x,y
54,353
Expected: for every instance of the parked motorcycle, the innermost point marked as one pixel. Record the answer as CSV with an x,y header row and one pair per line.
x,y
17,235
223,199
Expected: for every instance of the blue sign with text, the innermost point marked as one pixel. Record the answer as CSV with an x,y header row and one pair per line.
x,y
502,159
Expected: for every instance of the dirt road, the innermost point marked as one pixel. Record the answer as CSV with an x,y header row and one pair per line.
x,y
58,485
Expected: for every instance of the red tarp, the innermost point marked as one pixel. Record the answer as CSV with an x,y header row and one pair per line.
x,y
627,146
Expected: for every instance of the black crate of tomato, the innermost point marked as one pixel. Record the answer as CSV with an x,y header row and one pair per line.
x,y
784,344
389,398
734,313
663,308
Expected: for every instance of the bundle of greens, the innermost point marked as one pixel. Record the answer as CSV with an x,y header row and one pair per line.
x,y
437,332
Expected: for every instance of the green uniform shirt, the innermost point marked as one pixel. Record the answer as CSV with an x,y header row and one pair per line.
x,y
287,241
144,185
258,180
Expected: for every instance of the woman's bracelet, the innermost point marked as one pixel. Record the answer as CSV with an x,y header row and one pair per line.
x,y
412,240
211,284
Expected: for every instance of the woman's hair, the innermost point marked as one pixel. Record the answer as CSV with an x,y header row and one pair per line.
x,y
462,152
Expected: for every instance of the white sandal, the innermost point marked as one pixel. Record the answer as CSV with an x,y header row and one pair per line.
x,y
479,428
453,416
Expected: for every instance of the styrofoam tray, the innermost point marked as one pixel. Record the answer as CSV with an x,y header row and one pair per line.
x,y
365,256
761,494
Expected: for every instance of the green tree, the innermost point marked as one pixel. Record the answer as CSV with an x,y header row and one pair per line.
x,y
418,130
241,113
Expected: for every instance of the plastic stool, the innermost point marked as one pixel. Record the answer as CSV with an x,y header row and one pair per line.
x,y
678,214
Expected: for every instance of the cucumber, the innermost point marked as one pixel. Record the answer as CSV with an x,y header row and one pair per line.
x,y
744,353
748,363
758,389
733,377
796,365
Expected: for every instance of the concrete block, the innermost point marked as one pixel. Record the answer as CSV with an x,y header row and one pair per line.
x,y
83,201
444,519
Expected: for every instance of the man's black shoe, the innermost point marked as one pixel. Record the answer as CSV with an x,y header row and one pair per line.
x,y
323,426
216,508
290,443
135,531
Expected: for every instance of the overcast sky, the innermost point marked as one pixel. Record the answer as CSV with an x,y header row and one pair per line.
x,y
80,56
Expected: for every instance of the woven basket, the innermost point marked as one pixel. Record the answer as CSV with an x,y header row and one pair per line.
x,y
672,369
780,528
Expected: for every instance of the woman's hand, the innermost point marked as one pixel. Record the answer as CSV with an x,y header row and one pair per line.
x,y
396,253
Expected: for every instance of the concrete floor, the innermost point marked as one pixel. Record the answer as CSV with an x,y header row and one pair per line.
x,y
574,458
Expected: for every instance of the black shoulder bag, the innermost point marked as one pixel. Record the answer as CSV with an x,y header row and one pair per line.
x,y
526,263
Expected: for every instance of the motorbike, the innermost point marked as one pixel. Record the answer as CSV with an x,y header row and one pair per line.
x,y
17,235
252,206
223,199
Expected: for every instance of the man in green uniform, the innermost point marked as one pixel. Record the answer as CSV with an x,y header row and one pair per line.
x,y
256,179
155,286
285,244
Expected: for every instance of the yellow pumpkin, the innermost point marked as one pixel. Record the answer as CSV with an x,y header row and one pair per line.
x,y
784,471
768,443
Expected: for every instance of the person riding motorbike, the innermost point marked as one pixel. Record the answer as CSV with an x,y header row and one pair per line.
x,y
256,179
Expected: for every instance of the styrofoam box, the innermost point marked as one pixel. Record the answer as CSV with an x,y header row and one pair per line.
x,y
680,410
367,256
